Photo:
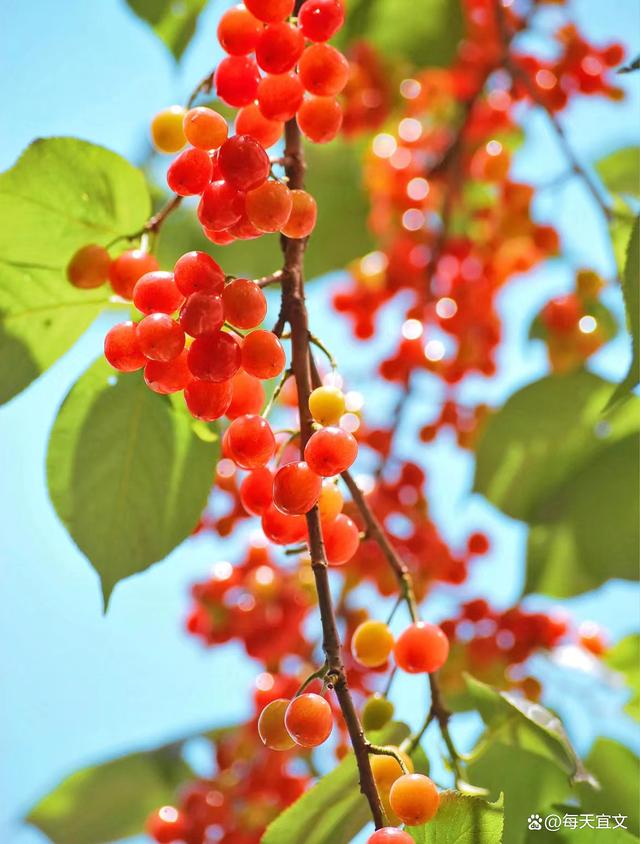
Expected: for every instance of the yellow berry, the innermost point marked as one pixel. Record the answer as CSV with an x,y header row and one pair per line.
x,y
271,726
372,643
167,133
327,405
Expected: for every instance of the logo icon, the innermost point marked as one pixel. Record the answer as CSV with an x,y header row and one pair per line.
x,y
534,822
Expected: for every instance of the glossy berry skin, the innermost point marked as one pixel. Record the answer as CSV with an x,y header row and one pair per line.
x,y
262,354
238,31
341,539
236,80
167,134
319,20
414,798
243,162
89,267
220,238
190,172
127,268
269,206
197,272
320,119
250,441
244,229
304,213
245,305
122,349
214,357
206,400
160,337
309,720
372,643
167,825
248,395
282,529
221,205
271,726
169,377
270,11
204,128
330,502
421,649
376,712
323,70
390,835
330,451
280,97
256,491
327,405
155,292
296,489
202,313
251,121
279,47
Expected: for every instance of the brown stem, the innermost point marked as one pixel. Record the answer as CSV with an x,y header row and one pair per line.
x,y
154,223
266,280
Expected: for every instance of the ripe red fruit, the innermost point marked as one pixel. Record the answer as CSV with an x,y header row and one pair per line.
x,y
279,47
323,70
245,305
256,491
270,11
221,238
421,648
89,267
197,272
319,20
390,835
414,798
562,314
221,205
214,357
160,337
330,451
190,172
244,229
341,539
238,31
128,268
251,121
248,395
167,825
279,97
478,543
250,441
202,313
157,292
204,128
168,377
304,212
320,119
262,354
236,80
243,162
282,529
122,349
309,720
296,489
206,400
269,206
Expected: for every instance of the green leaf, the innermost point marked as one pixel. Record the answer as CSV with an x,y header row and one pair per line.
x,y
617,770
127,473
624,657
620,228
631,294
173,22
108,802
60,195
462,819
620,171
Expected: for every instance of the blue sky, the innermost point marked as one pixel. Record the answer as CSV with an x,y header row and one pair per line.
x,y
78,686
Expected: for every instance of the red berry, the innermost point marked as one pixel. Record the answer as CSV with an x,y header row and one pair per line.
x,y
236,80
320,119
421,649
202,313
323,70
221,205
304,212
160,337
204,128
89,267
248,395
330,451
197,272
282,529
251,121
157,292
244,229
214,357
279,47
562,314
319,20
122,349
309,720
167,825
243,162
296,489
245,305
270,11
169,377
256,491
478,543
206,400
128,268
221,238
279,97
390,835
262,354
250,441
341,539
238,31
269,206
190,172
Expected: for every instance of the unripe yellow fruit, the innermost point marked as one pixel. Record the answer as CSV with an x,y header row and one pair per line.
x,y
167,133
327,405
331,501
372,643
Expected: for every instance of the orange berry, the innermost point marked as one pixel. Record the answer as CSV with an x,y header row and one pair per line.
x,y
89,267
372,643
414,799
309,720
320,119
386,769
204,128
271,726
304,212
421,649
330,502
269,206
